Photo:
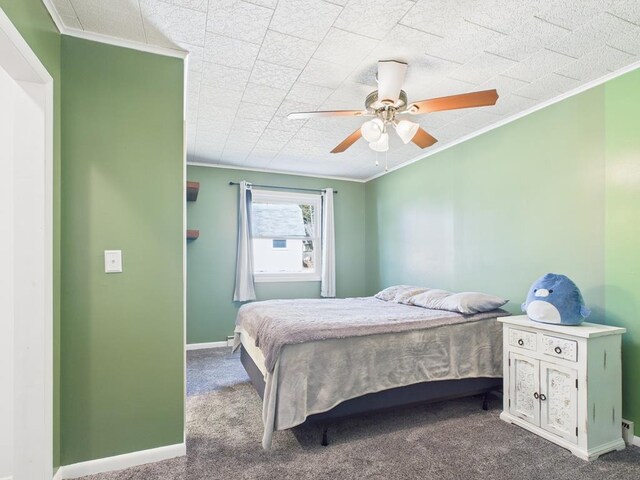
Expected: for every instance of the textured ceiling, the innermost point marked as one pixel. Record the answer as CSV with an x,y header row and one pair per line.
x,y
253,62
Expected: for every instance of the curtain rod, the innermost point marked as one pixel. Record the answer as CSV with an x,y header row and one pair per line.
x,y
284,188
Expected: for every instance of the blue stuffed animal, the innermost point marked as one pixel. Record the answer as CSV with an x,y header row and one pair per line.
x,y
555,299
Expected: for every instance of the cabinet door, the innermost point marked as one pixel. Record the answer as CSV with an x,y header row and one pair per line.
x,y
524,379
559,400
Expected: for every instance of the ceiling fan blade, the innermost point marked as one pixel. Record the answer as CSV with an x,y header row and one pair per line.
x,y
326,113
391,75
347,142
465,100
423,139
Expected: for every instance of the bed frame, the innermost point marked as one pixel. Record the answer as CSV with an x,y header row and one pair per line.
x,y
426,392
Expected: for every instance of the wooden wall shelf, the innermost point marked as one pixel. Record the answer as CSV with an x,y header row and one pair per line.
x,y
192,191
192,195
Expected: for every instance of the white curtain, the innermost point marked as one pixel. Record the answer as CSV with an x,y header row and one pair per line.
x,y
328,286
245,289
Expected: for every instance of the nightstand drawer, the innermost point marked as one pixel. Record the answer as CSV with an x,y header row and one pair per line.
x,y
522,339
560,347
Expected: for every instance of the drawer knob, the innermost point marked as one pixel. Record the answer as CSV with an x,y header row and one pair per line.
x,y
558,350
535,395
520,342
543,397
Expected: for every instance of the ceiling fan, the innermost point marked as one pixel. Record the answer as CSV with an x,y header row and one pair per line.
x,y
388,104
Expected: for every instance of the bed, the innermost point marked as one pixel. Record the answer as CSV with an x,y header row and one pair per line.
x,y
315,360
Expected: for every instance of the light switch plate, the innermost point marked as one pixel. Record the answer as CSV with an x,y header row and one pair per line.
x,y
112,261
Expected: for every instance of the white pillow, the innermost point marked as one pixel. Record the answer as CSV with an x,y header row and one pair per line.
x,y
464,302
432,298
399,293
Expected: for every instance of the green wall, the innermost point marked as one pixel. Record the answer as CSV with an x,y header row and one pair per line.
x,y
557,190
122,363
211,258
623,227
33,22
494,213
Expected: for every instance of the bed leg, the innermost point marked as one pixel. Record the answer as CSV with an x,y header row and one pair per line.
x,y
485,401
325,437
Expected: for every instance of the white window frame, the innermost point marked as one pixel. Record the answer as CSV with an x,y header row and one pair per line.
x,y
269,196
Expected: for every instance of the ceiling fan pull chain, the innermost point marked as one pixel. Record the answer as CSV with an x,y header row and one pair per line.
x,y
377,162
386,161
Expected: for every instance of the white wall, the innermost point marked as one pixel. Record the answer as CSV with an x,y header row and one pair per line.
x,y
269,259
7,87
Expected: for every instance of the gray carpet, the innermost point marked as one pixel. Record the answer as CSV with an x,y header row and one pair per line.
x,y
448,440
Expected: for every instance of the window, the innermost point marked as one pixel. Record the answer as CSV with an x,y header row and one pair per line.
x,y
285,230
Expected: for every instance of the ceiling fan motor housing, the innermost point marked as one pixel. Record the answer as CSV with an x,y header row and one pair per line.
x,y
373,104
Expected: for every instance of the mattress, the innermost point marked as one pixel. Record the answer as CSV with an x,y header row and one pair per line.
x,y
313,377
249,345
277,323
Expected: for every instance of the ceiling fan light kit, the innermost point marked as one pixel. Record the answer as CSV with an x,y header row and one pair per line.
x,y
372,130
388,102
382,145
406,130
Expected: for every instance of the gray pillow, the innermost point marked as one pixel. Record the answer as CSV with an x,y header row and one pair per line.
x,y
399,293
464,302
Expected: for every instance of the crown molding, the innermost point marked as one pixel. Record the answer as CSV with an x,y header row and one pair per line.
x,y
53,13
279,172
119,42
108,39
512,118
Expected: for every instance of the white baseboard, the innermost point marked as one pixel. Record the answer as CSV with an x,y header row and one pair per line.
x,y
6,478
127,460
201,346
119,462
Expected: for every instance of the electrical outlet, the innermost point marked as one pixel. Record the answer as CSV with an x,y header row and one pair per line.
x,y
627,431
230,341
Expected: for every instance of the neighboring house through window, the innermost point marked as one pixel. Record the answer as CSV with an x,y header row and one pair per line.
x,y
286,236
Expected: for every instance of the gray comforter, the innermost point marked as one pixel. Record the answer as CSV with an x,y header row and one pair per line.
x,y
359,346
276,323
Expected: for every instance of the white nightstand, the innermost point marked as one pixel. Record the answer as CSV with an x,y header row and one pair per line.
x,y
564,383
